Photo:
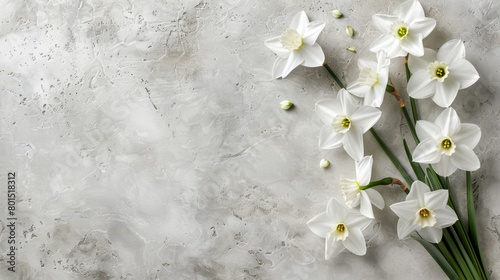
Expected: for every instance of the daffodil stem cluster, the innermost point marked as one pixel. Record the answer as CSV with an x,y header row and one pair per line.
x,y
458,253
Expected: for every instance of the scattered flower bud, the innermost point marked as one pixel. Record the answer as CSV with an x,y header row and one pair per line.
x,y
337,14
285,104
351,49
324,163
349,31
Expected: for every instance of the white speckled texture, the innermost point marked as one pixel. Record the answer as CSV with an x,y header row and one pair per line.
x,y
149,143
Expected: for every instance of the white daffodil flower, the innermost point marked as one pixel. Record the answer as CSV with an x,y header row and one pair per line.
x,y
297,46
441,74
447,144
425,212
404,31
345,123
372,81
341,227
353,193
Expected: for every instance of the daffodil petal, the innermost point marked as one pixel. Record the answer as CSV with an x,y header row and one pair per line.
x,y
423,26
294,60
336,210
376,198
406,227
274,44
426,152
365,118
364,170
357,220
451,51
445,217
405,210
464,72
313,55
358,89
321,224
449,122
465,159
333,248
416,63
417,192
389,44
375,96
446,92
444,167
436,199
468,135
312,32
420,86
366,206
409,11
431,234
355,242
384,22
353,143
426,129
299,22
329,138
413,44
328,109
349,104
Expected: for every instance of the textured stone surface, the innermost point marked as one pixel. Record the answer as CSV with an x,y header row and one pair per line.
x,y
148,140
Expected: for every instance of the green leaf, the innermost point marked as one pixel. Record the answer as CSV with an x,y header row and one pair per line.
x,y
471,214
439,258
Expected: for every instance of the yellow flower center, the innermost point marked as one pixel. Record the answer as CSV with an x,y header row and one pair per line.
x,y
399,30
346,122
424,213
402,32
291,40
446,144
341,124
438,70
341,227
425,217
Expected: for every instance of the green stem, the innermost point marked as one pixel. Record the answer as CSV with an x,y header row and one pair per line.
x,y
413,104
410,124
381,182
337,80
391,156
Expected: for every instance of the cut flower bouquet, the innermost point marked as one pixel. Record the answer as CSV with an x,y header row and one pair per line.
x,y
442,145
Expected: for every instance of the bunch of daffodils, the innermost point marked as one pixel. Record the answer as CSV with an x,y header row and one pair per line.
x,y
442,146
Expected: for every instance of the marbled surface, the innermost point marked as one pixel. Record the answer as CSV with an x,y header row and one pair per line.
x,y
148,141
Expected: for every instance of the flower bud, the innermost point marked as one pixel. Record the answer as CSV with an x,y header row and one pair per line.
x,y
351,49
337,14
285,104
324,163
349,31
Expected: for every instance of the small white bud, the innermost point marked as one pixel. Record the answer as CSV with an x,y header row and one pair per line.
x,y
285,104
351,49
324,163
337,14
349,31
